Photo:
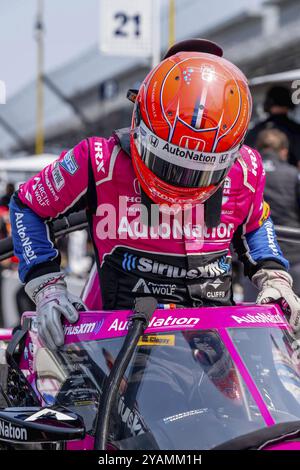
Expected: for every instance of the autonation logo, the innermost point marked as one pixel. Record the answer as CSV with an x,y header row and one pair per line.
x,y
259,318
2,92
10,431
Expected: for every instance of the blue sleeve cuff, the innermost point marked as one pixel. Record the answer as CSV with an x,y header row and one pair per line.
x,y
262,244
31,238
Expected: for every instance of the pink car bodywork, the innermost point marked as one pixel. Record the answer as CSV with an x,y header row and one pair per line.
x,y
112,324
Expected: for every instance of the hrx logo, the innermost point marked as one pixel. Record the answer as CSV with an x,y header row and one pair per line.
x,y
99,157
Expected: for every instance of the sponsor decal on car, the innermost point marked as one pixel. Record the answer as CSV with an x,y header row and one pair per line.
x,y
258,318
69,163
157,322
84,328
10,431
131,418
157,340
50,413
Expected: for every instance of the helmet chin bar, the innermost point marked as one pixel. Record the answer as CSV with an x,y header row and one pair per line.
x,y
162,198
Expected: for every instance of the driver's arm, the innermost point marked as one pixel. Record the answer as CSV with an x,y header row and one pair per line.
x,y
257,247
255,240
53,192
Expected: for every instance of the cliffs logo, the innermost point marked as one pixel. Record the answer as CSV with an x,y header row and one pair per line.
x,y
11,432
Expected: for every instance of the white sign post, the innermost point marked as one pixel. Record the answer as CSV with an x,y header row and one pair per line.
x,y
129,27
2,92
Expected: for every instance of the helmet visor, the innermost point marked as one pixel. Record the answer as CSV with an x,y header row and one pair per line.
x,y
179,169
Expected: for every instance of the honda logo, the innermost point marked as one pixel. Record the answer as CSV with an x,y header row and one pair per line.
x,y
192,143
153,141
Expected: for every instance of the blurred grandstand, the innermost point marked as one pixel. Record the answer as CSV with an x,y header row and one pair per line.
x,y
87,96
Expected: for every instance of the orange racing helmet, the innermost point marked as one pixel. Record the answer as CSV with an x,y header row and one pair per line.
x,y
189,121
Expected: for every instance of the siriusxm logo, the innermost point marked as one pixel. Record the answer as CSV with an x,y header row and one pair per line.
x,y
271,238
84,328
130,418
129,262
145,265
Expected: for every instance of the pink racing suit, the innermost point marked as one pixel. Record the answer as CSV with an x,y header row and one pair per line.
x,y
193,269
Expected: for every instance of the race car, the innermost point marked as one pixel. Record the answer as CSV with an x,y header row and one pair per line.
x,y
211,378
154,378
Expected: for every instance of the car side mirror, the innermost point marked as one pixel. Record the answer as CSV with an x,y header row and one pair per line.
x,y
35,424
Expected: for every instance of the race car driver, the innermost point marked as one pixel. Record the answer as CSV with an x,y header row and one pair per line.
x,y
184,155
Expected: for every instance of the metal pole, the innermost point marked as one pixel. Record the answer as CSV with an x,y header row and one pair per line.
x,y
172,19
39,29
156,46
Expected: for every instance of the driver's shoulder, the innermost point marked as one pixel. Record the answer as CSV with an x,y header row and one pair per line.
x,y
107,157
248,170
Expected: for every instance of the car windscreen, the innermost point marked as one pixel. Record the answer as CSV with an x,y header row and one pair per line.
x,y
181,390
272,357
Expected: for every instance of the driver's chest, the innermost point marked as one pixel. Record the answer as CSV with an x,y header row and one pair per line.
x,y
121,220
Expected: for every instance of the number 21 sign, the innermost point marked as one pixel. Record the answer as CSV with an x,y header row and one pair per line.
x,y
126,27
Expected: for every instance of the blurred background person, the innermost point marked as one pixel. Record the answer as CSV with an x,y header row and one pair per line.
x,y
282,191
4,200
277,105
